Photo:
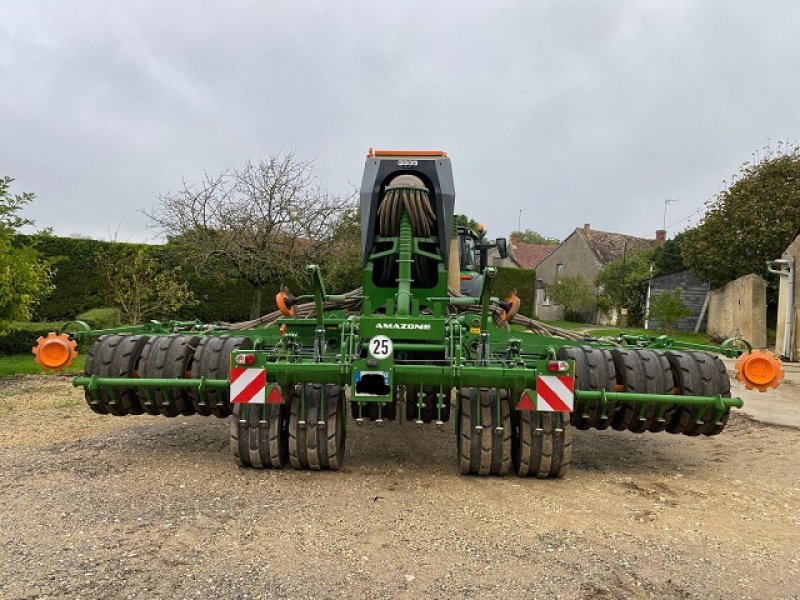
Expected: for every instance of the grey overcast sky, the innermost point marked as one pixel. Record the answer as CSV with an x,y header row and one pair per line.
x,y
577,112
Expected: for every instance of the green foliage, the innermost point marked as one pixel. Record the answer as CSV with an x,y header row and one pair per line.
x,y
621,283
24,277
20,337
101,318
752,221
574,293
521,280
667,308
142,287
342,267
529,236
668,258
465,221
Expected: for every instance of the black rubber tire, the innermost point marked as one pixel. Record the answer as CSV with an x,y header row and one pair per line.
x,y
212,361
317,447
167,357
117,356
541,453
487,451
92,367
722,386
696,374
259,435
429,400
645,372
594,371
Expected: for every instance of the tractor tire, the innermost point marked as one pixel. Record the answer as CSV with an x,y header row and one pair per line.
x,y
539,450
212,361
722,386
698,374
594,371
260,435
644,372
317,446
486,451
167,357
117,356
92,367
429,411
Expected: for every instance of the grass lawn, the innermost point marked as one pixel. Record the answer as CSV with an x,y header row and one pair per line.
x,y
22,364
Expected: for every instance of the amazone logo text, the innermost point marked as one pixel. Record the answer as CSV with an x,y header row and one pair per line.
x,y
414,326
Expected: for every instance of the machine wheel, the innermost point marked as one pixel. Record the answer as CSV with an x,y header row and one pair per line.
x,y
486,451
167,357
260,435
698,374
542,444
722,386
429,400
92,367
313,445
594,370
117,356
212,360
645,372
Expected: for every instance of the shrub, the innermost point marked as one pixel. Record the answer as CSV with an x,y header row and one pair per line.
x,y
21,337
667,308
101,318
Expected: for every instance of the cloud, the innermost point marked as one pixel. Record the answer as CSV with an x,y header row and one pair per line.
x,y
577,111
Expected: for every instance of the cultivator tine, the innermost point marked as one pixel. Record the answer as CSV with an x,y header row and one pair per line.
x,y
498,412
559,423
302,422
476,410
323,407
439,407
660,412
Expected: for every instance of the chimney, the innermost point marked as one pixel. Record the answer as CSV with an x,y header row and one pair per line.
x,y
661,236
586,227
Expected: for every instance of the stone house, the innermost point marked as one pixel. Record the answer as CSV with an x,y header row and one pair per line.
x,y
583,253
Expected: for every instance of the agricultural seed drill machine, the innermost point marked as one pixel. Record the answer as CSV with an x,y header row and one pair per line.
x,y
423,334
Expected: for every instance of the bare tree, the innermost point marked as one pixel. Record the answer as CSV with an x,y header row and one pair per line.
x,y
262,223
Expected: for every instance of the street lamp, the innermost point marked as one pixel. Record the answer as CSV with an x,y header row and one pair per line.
x,y
667,201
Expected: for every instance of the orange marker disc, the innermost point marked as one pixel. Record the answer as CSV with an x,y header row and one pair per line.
x,y
55,351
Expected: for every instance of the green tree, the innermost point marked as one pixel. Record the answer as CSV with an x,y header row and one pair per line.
x,y
465,221
621,282
529,236
141,286
668,258
574,293
24,277
343,265
667,308
752,221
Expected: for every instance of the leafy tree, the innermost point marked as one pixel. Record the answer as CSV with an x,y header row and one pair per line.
x,y
752,221
24,277
465,221
620,283
668,258
574,293
342,268
141,286
667,308
529,236
261,224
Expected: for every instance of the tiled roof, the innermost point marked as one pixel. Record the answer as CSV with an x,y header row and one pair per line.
x,y
528,256
608,247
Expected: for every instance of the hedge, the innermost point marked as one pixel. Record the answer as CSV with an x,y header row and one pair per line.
x,y
21,338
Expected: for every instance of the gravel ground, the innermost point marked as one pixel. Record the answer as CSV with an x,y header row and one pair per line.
x,y
144,507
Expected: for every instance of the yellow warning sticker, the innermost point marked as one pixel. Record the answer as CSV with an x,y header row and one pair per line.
x,y
474,329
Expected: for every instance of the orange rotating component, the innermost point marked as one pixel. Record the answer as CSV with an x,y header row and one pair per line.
x,y
286,303
55,351
513,302
759,369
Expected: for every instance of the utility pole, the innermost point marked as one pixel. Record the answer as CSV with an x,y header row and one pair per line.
x,y
519,219
667,201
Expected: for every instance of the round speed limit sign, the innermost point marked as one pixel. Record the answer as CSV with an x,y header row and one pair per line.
x,y
380,347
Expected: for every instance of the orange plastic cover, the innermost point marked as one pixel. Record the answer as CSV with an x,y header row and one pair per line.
x,y
56,351
759,369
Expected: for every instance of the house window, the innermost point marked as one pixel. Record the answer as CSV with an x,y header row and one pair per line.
x,y
559,270
545,298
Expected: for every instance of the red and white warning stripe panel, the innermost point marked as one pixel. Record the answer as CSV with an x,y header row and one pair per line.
x,y
555,393
248,385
